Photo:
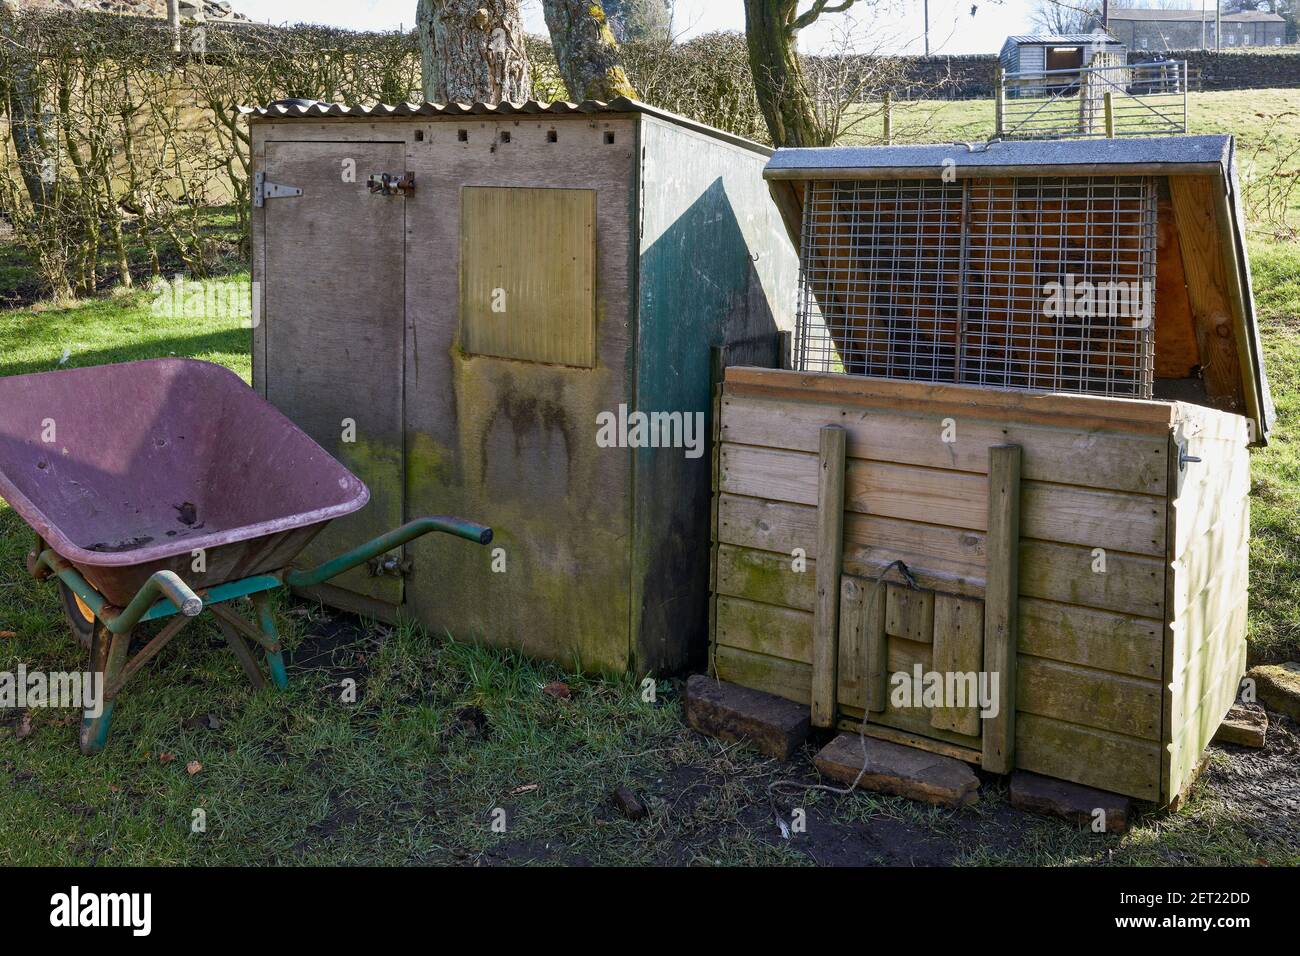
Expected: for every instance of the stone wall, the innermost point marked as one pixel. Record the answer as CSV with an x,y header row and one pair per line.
x,y
973,76
1235,71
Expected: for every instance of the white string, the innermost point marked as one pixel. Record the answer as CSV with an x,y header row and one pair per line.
x,y
781,785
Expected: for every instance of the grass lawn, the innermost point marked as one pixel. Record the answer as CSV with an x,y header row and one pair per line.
x,y
443,733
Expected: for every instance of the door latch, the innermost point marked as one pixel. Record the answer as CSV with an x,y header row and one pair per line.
x,y
387,184
264,189
388,565
1184,459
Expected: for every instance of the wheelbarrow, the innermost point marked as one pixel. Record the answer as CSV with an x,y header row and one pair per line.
x,y
162,488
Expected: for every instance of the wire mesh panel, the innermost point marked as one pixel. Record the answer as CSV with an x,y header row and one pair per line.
x,y
1034,283
880,278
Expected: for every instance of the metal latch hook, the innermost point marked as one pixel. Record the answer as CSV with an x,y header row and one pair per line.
x,y
387,184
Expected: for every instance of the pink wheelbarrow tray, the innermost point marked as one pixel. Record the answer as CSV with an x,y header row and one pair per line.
x,y
127,472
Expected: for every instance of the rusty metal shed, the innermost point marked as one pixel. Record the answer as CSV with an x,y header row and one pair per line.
x,y
517,271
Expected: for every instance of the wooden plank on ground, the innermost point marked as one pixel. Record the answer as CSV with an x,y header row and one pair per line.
x,y
1000,605
830,544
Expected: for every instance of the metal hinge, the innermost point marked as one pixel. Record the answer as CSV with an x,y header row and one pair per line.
x,y
264,190
388,184
389,566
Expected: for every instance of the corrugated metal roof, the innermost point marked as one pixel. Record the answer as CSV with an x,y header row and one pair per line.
x,y
923,160
531,108
1066,39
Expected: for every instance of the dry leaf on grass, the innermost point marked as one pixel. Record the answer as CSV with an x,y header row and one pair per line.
x,y
558,689
7,634
526,788
193,767
165,757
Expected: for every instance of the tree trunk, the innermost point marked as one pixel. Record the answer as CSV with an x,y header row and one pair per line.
x,y
586,51
473,51
174,23
640,21
779,80
35,158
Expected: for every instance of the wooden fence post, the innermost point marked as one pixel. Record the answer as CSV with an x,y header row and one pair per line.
x,y
997,101
1001,604
830,555
889,118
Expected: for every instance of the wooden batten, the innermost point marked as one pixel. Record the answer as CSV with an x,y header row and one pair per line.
x,y
830,544
1001,604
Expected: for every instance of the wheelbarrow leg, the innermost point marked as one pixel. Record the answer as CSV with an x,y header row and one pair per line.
x,y
244,655
107,657
274,656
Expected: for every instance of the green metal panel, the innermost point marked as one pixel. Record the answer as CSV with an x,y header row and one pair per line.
x,y
716,269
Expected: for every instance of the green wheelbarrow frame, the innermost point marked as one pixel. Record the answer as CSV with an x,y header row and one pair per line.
x,y
165,596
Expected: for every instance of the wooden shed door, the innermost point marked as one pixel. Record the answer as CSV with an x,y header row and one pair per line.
x,y
334,308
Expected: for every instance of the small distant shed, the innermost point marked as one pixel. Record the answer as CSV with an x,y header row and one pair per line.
x,y
1027,56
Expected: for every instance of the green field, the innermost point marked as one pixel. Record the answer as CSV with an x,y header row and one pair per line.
x,y
444,733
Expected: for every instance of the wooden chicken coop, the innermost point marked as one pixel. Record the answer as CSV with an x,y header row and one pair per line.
x,y
447,299
987,462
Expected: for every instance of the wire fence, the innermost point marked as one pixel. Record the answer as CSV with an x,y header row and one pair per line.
x,y
1143,99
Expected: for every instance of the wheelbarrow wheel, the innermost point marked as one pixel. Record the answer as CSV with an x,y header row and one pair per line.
x,y
80,618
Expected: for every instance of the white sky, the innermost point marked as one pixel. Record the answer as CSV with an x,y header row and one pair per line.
x,y
893,25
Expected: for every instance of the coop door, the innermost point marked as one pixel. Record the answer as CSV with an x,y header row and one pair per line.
x,y
911,659
333,308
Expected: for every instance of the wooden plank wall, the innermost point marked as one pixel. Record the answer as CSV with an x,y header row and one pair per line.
x,y
1094,475
1208,534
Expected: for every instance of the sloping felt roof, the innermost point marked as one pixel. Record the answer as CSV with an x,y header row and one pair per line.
x,y
1195,16
299,109
1207,153
1210,156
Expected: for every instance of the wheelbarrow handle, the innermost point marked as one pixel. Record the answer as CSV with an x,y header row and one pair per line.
x,y
121,620
447,524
